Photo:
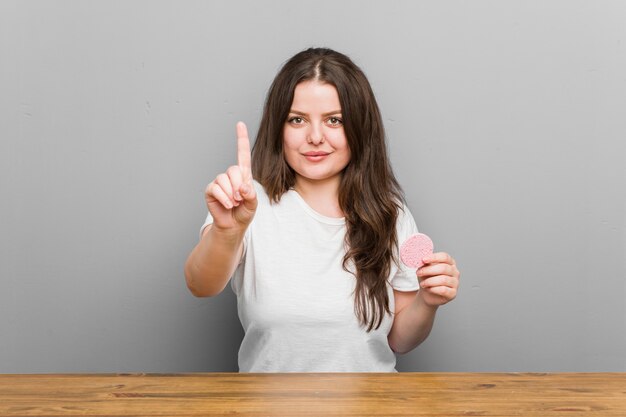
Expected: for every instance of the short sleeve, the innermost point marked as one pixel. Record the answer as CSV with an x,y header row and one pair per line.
x,y
405,278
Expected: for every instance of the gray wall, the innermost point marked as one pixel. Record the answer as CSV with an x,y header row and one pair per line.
x,y
506,125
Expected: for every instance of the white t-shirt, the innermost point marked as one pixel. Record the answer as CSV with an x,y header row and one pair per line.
x,y
295,300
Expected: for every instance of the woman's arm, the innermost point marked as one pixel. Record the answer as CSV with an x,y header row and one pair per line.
x,y
231,200
213,261
415,311
412,322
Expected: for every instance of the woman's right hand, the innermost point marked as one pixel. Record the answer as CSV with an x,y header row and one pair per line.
x,y
231,197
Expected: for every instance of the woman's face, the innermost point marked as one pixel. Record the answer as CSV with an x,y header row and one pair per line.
x,y
315,144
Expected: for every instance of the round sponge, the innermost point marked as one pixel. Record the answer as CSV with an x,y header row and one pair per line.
x,y
414,249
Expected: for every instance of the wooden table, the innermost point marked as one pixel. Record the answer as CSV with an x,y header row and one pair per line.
x,y
401,394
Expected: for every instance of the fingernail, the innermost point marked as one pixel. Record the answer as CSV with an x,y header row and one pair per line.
x,y
245,189
229,205
237,196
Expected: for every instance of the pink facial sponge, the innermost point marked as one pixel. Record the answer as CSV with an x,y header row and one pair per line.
x,y
414,249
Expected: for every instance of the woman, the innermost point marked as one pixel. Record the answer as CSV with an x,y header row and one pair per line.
x,y
308,227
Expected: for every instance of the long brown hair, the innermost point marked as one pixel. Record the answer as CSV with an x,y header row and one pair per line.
x,y
369,194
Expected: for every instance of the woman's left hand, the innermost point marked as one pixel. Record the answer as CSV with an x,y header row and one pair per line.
x,y
438,278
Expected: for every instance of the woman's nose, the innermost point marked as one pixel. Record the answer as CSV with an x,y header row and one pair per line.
x,y
316,136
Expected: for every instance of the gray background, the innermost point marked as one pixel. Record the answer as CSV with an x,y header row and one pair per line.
x,y
506,126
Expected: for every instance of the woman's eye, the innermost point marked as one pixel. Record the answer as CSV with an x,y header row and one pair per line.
x,y
296,120
335,121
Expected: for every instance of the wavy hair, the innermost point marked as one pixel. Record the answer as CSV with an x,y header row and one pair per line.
x,y
369,194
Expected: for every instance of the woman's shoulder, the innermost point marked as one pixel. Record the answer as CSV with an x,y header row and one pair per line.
x,y
263,198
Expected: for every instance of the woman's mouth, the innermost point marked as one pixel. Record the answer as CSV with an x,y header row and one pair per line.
x,y
315,156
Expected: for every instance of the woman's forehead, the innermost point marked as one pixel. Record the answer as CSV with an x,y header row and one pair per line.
x,y
315,95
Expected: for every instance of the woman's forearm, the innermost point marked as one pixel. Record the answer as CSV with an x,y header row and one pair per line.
x,y
213,261
411,325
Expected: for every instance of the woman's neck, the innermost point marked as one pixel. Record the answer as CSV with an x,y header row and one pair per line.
x,y
322,196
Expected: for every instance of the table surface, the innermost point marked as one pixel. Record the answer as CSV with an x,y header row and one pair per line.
x,y
330,394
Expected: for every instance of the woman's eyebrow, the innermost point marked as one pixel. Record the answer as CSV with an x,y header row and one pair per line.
x,y
301,113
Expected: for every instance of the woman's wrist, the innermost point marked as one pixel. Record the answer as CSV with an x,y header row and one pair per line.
x,y
422,304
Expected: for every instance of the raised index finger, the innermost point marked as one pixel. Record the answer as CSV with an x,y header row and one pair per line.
x,y
243,151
